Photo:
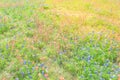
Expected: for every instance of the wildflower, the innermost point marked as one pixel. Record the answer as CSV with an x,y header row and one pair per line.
x,y
118,76
43,72
112,76
33,68
45,67
17,79
102,79
106,64
24,62
23,46
109,72
89,58
46,75
29,62
110,49
7,46
2,57
0,17
36,67
61,78
61,52
90,75
41,65
107,61
100,73
22,73
96,72
82,76
28,72
95,63
30,77
82,57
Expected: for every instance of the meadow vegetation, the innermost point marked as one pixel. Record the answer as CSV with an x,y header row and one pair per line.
x,y
59,39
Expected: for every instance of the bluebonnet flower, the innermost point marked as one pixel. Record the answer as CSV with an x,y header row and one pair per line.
x,y
82,48
23,46
28,72
83,57
116,71
43,72
110,49
112,76
100,73
16,78
24,62
89,58
107,61
88,48
45,67
102,79
91,40
95,63
96,72
22,73
106,64
29,62
33,68
109,72
90,75
2,57
7,46
42,64
0,17
30,77
82,76
61,52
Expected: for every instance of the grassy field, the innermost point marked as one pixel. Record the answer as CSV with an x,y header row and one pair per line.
x,y
59,40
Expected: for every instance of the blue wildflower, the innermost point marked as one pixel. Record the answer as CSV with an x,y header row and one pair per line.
x,y
109,72
88,58
0,17
45,67
96,72
30,77
33,68
28,72
7,46
43,72
112,76
106,64
22,73
82,76
41,65
102,79
29,62
16,78
24,62
90,75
